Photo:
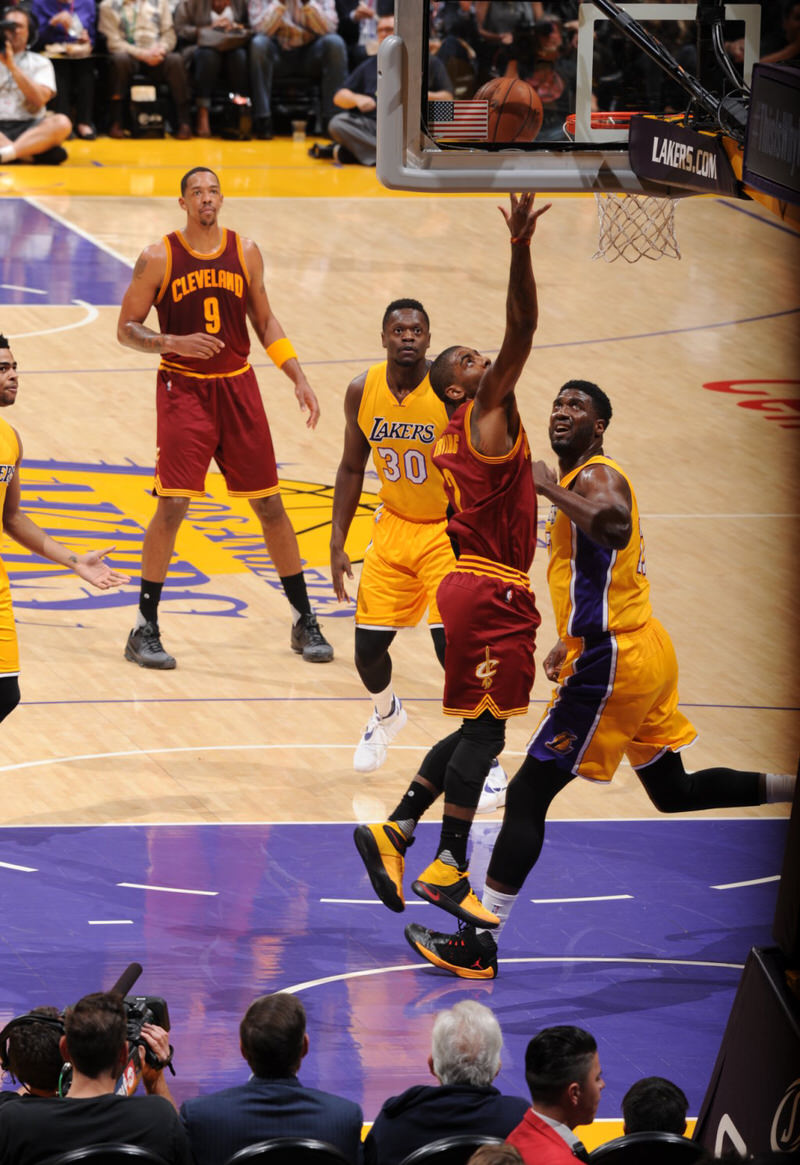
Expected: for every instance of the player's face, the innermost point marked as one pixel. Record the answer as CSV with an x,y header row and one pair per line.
x,y
406,337
468,367
573,423
202,198
8,378
590,1093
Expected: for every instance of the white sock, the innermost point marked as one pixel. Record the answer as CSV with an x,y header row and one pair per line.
x,y
779,787
8,153
499,904
384,702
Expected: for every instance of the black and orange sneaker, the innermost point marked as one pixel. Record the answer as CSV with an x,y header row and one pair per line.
x,y
382,848
468,954
444,886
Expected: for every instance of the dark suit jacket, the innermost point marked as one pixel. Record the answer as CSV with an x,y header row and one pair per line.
x,y
427,1112
224,1122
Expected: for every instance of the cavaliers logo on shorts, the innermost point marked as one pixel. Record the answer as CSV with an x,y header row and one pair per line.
x,y
486,670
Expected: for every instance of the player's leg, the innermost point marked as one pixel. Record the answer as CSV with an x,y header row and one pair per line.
x,y
144,644
673,790
9,695
374,666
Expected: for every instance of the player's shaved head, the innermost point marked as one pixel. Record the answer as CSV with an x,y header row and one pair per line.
x,y
197,170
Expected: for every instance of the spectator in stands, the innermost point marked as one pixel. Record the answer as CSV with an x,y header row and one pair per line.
x,y
28,132
67,31
785,47
504,1154
535,56
654,1105
498,23
34,1054
95,1043
273,1102
456,32
295,38
355,131
141,39
465,1058
214,41
565,1080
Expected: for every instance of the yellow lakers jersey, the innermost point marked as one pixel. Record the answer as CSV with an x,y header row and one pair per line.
x,y
595,589
402,435
9,455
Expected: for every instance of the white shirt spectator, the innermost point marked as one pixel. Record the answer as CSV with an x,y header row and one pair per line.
x,y
12,102
292,23
138,23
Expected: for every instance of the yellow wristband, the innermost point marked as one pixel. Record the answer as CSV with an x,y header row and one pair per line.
x,y
280,351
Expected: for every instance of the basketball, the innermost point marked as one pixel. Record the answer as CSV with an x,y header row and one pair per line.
x,y
515,110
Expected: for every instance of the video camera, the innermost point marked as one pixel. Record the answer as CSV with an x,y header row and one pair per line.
x,y
139,1010
6,28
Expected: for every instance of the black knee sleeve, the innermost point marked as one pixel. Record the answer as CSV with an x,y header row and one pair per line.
x,y
372,659
439,643
521,835
9,695
481,741
673,790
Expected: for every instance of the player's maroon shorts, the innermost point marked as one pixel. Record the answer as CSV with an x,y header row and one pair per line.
x,y
490,623
221,418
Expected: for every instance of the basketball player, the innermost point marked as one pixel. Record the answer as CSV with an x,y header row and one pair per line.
x,y
22,529
489,614
205,282
616,672
392,410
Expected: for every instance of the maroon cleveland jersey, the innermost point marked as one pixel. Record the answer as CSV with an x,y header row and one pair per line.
x,y
493,500
206,293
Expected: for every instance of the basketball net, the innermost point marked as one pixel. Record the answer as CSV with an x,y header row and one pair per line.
x,y
633,226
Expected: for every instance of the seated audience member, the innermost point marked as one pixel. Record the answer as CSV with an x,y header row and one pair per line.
x,y
67,31
28,132
214,42
141,39
498,22
565,1080
295,38
536,57
457,33
95,1043
273,1102
355,131
654,1105
784,45
34,1055
496,1155
465,1058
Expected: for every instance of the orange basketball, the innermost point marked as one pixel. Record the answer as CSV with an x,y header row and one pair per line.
x,y
515,110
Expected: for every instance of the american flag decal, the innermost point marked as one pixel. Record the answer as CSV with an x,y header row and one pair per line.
x,y
458,120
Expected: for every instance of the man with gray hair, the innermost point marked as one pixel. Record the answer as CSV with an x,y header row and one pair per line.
x,y
465,1058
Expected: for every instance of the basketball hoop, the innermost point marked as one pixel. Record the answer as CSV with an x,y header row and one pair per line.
x,y
632,226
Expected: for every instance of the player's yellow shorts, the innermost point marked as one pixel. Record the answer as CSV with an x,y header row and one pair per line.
x,y
9,651
403,566
616,695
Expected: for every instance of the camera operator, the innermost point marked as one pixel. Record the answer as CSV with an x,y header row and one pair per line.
x,y
33,1055
93,1113
28,131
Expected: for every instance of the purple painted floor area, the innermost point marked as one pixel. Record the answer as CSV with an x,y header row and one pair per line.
x,y
289,907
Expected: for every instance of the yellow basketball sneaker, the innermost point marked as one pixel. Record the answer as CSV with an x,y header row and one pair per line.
x,y
382,848
447,887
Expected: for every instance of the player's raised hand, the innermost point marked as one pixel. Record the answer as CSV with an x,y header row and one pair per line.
x,y
521,219
201,345
94,570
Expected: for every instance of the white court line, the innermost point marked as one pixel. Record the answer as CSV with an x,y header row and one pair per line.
x,y
365,902
27,290
91,315
345,975
110,922
596,898
702,517
167,889
24,869
752,882
78,230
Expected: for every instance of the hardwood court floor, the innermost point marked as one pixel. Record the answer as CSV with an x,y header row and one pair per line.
x,y
699,357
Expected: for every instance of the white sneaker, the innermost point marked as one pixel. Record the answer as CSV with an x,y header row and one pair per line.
x,y
493,795
371,751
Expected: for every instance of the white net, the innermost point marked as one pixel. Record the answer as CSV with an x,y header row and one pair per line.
x,y
636,226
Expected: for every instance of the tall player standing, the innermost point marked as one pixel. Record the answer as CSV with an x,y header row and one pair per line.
x,y
205,282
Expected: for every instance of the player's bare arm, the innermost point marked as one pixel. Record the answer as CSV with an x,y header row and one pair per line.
x,y
348,486
554,660
148,275
598,502
268,329
495,419
22,529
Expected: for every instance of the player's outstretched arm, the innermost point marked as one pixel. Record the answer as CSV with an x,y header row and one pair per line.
x,y
22,529
348,486
270,333
598,502
148,275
